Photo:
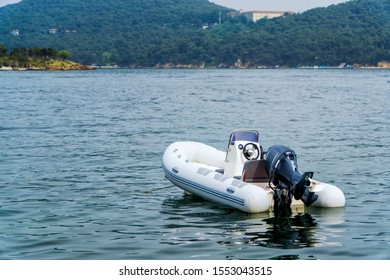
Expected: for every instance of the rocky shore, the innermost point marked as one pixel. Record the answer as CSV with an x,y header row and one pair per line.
x,y
50,65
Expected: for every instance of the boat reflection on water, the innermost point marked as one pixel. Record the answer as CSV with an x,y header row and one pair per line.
x,y
287,232
304,228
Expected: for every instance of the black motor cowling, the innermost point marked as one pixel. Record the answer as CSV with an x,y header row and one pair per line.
x,y
282,167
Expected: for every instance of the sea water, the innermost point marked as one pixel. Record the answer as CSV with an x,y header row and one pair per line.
x,y
80,162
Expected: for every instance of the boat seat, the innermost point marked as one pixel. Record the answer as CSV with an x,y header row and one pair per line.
x,y
254,172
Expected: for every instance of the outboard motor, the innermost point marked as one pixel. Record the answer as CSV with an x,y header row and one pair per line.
x,y
282,167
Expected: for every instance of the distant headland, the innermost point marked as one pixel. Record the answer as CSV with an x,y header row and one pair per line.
x,y
38,59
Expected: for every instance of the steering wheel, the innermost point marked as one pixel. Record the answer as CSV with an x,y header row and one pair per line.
x,y
251,151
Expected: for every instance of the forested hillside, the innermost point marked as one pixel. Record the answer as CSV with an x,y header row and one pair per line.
x,y
354,32
146,33
125,32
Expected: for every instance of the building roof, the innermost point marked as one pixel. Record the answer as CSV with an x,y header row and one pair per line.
x,y
265,12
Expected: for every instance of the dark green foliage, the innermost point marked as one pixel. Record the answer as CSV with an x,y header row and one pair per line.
x,y
150,32
22,57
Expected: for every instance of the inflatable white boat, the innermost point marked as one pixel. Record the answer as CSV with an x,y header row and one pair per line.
x,y
245,177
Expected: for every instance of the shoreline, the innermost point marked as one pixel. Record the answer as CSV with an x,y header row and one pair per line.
x,y
89,68
78,68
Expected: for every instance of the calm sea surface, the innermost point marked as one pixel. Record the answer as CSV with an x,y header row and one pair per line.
x,y
80,162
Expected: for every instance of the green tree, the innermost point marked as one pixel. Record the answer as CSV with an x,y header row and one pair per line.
x,y
106,58
64,54
3,50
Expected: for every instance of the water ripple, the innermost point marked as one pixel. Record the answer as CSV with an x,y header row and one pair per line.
x,y
80,164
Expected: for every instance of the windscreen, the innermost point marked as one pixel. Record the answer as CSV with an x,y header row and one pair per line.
x,y
250,136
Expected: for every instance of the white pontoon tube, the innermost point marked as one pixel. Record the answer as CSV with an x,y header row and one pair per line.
x,y
243,179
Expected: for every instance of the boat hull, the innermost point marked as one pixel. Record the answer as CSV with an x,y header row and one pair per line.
x,y
196,168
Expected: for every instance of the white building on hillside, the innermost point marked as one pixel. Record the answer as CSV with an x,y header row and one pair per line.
x,y
15,32
256,15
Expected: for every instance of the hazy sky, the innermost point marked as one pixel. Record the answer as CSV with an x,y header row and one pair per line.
x,y
279,5
5,2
